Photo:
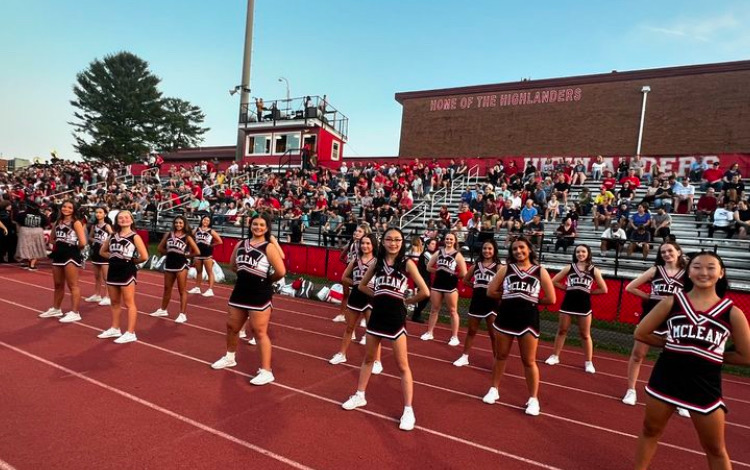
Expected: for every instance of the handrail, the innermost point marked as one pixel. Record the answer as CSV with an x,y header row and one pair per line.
x,y
413,209
125,178
84,189
476,176
150,170
454,182
161,205
288,154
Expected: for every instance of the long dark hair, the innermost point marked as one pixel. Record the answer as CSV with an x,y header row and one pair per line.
x,y
680,260
589,261
373,239
73,217
532,253
400,260
722,285
265,217
496,256
106,218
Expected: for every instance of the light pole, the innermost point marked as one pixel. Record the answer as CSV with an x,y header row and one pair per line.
x,y
645,91
282,79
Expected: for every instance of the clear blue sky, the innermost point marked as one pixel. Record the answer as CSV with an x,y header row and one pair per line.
x,y
358,52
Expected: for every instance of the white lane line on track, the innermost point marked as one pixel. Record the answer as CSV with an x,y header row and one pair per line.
x,y
438,433
294,328
6,466
155,407
277,384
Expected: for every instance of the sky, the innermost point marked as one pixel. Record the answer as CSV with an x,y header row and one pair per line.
x,y
358,52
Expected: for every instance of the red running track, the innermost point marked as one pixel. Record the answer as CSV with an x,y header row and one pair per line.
x,y
72,400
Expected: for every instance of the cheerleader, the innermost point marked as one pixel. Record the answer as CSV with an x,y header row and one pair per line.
x,y
177,245
68,237
687,374
666,278
206,239
430,247
258,264
518,284
358,303
448,265
389,275
121,249
347,255
580,276
481,307
243,330
98,234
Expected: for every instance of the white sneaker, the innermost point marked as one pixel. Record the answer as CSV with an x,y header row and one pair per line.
x,y
683,412
263,377
105,301
208,293
588,366
181,318
223,363
110,333
354,401
454,341
340,318
93,298
363,323
195,290
462,361
532,407
51,312
337,358
128,337
408,420
377,368
70,317
553,360
363,340
159,312
630,397
492,396
427,337
252,341
243,335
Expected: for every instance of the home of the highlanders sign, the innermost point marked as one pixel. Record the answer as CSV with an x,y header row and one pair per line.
x,y
494,100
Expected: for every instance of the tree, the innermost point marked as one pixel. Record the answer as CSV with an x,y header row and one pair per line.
x,y
180,124
119,109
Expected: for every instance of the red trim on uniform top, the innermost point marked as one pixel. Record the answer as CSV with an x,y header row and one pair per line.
x,y
695,351
683,404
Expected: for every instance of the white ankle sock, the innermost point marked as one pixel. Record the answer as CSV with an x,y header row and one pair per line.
x,y
230,355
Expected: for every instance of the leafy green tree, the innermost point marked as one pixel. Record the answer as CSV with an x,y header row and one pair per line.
x,y
118,109
181,124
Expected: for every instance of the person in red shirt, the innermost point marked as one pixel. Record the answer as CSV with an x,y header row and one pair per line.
x,y
706,206
465,214
609,181
712,178
631,178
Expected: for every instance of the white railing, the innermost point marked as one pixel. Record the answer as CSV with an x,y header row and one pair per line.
x,y
85,189
125,178
456,182
162,205
420,210
148,171
475,171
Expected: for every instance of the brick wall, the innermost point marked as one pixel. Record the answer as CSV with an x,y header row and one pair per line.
x,y
695,114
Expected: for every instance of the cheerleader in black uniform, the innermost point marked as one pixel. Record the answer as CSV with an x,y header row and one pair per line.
x,y
121,249
481,307
666,278
243,330
98,234
518,285
206,239
177,245
580,277
430,248
358,303
687,374
347,255
449,266
258,264
388,317
68,237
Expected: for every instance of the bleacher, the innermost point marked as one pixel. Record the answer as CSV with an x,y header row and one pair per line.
x,y
734,252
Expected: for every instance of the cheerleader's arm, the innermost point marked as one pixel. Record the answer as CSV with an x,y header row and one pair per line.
x,y
633,286
658,315
557,280
601,285
162,248
346,278
215,238
422,290
550,296
461,265
495,288
104,250
431,265
277,262
363,284
469,275
740,354
140,247
81,233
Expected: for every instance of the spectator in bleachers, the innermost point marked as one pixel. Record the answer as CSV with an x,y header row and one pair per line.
x,y
514,232
332,229
562,188
516,200
733,189
597,168
579,173
605,196
663,197
552,210
712,178
534,230
696,170
639,241
565,235
742,218
622,168
631,178
430,232
641,218
507,216
490,214
603,214
585,202
528,212
609,182
638,166
386,216
733,171
625,194
684,191
661,224
571,212
477,205
723,220
613,238
622,215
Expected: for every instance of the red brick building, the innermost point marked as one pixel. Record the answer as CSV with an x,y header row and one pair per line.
x,y
690,110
